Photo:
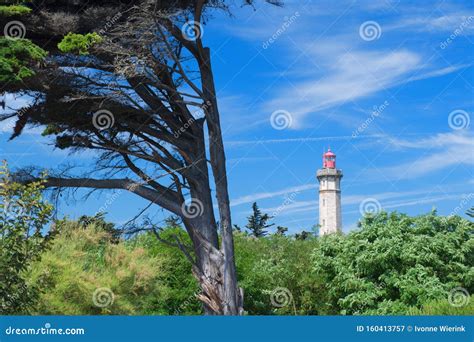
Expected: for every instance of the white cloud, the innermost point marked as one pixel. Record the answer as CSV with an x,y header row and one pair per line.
x,y
351,75
443,151
236,143
463,22
264,195
405,198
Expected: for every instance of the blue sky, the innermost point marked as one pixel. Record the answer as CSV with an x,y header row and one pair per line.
x,y
387,84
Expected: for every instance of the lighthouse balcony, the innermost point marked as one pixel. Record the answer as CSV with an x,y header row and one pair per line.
x,y
328,172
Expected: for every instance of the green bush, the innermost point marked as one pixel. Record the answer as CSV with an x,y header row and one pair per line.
x,y
181,285
23,215
395,262
79,43
275,274
12,10
443,307
16,57
85,273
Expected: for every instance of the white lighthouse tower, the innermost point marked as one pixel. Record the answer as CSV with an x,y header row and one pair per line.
x,y
330,220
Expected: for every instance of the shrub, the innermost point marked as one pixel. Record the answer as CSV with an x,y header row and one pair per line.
x,y
275,274
23,215
85,273
395,262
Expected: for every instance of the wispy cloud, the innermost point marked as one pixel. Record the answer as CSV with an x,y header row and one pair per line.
x,y
265,195
405,198
236,143
462,21
442,151
353,75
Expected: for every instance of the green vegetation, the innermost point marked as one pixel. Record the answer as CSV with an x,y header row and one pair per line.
x,y
83,260
258,222
79,43
12,10
393,264
22,217
16,57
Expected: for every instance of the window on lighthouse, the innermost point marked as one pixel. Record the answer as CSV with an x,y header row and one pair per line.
x,y
324,202
324,222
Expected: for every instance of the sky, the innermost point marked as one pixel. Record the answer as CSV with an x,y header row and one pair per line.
x,y
387,85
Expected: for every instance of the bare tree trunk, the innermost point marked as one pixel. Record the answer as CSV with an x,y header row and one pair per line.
x,y
232,295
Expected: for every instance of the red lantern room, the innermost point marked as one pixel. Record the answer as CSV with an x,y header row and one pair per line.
x,y
329,160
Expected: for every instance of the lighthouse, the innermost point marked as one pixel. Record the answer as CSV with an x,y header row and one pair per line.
x,y
330,220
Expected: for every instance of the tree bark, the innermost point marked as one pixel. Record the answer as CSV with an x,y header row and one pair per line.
x,y
232,295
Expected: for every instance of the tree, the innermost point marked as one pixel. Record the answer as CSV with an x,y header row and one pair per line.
x,y
302,236
281,231
257,222
395,262
139,91
98,220
470,212
237,228
23,216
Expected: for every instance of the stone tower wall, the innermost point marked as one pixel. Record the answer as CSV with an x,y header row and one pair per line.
x,y
330,219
